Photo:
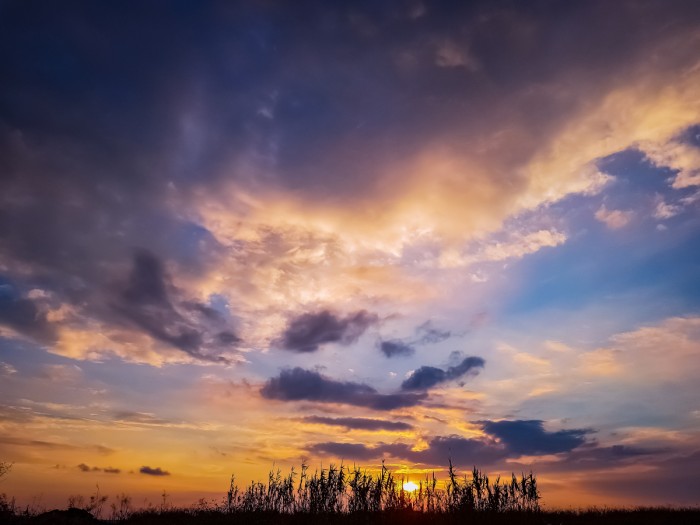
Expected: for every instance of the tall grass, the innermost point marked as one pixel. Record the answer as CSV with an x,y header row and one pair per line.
x,y
352,496
340,489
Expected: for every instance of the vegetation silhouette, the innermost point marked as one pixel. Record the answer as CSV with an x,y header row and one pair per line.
x,y
343,495
343,490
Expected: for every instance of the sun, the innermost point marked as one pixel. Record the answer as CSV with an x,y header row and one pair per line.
x,y
409,486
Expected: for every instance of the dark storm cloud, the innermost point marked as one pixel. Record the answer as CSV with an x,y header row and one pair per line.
x,y
146,301
530,438
263,39
153,471
424,378
182,94
427,377
23,315
307,332
147,282
102,145
298,384
86,163
359,423
395,348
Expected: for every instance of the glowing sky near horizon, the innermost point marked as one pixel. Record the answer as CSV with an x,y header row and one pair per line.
x,y
234,234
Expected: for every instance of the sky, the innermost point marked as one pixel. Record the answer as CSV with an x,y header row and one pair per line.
x,y
237,235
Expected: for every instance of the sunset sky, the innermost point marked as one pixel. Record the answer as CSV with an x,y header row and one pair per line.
x,y
238,234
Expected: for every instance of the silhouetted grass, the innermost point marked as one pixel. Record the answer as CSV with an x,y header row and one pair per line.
x,y
341,490
342,495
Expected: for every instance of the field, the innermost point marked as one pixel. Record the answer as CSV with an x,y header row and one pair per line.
x,y
341,495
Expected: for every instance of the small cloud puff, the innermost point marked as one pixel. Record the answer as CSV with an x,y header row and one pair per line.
x,y
153,471
613,219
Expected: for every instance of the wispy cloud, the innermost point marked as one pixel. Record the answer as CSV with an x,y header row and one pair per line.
x,y
359,423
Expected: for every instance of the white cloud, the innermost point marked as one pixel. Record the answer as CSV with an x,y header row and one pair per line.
x,y
684,158
516,246
613,219
7,369
663,210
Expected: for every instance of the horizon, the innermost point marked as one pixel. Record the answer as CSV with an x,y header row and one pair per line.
x,y
240,234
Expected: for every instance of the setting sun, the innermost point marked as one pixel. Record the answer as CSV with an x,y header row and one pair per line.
x,y
409,486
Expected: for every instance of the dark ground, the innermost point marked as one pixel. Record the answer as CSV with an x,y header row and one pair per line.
x,y
655,516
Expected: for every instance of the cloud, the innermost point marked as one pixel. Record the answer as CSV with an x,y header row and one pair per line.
x,y
424,378
298,384
351,451
515,245
440,449
146,301
528,437
262,211
307,332
664,210
6,369
359,423
649,356
70,374
141,418
667,481
613,219
429,334
463,451
514,439
23,315
426,333
395,348
427,377
153,471
51,445
678,154
107,470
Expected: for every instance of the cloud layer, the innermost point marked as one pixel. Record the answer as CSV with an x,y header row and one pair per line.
x,y
249,219
307,332
298,384
427,377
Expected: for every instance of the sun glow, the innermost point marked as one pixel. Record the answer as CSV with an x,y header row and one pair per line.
x,y
409,486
